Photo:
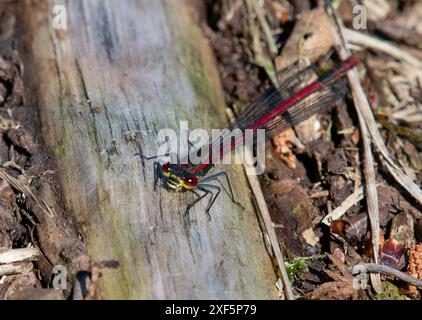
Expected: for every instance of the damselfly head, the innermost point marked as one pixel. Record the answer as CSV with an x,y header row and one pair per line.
x,y
176,179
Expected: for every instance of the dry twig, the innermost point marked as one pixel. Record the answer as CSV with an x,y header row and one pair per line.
x,y
379,268
15,267
25,190
268,225
265,27
349,202
18,255
361,103
380,45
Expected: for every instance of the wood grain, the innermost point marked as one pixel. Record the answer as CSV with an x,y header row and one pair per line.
x,y
104,87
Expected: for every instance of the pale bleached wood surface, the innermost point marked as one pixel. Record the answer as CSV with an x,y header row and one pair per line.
x,y
138,66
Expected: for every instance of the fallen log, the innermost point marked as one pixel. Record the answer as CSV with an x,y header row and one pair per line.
x,y
104,86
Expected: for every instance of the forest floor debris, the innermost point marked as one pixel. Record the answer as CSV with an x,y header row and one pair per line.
x,y
314,185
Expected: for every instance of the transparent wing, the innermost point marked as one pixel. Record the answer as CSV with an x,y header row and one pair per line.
x,y
295,79
304,109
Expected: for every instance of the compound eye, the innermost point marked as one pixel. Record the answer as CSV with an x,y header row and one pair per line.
x,y
166,167
190,182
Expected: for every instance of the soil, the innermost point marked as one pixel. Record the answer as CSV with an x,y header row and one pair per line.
x,y
24,218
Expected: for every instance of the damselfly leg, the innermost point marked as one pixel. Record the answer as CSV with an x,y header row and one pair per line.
x,y
157,171
205,187
157,174
151,157
215,177
200,197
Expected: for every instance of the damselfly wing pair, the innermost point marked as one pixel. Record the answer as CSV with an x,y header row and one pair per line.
x,y
283,106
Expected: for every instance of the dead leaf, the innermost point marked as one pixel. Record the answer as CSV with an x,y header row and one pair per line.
x,y
21,138
356,227
336,290
310,237
338,277
283,147
311,38
292,201
355,137
401,239
309,129
341,266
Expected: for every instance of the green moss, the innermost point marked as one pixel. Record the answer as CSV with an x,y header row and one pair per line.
x,y
61,146
300,264
327,134
296,208
59,150
200,80
390,292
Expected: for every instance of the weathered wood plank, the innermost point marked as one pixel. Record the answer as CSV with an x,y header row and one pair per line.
x,y
137,67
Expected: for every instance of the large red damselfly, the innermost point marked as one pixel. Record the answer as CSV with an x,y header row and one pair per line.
x,y
284,105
